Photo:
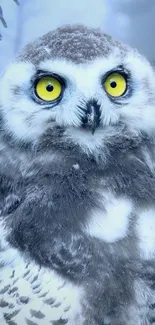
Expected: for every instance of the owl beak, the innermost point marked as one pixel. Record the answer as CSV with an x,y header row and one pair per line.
x,y
91,119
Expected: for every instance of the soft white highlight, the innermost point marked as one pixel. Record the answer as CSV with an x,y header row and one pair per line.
x,y
146,233
113,224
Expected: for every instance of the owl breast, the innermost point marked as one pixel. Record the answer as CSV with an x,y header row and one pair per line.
x,y
30,295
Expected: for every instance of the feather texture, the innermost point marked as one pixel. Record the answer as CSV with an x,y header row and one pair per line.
x,y
70,200
126,20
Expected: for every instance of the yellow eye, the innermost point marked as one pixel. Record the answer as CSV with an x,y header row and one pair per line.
x,y
48,88
115,84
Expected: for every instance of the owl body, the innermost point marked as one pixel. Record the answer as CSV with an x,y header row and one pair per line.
x,y
77,182
87,268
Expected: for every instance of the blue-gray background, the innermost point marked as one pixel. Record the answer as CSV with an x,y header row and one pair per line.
x,y
132,21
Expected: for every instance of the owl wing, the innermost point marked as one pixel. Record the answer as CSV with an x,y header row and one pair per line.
x,y
30,295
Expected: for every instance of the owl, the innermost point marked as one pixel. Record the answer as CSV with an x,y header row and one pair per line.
x,y
77,182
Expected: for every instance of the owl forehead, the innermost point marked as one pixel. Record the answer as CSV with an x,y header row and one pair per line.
x,y
78,44
82,75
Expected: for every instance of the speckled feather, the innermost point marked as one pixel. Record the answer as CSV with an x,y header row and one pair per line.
x,y
71,43
32,295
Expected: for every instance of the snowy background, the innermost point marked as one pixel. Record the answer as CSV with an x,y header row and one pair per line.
x,y
129,20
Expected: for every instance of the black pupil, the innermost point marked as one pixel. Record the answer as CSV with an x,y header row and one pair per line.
x,y
49,87
113,84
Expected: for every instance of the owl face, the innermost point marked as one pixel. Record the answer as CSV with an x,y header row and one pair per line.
x,y
86,93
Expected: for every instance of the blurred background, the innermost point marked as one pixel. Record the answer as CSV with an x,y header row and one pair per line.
x,y
132,21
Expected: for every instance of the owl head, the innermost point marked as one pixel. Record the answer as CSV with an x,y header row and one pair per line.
x,y
80,87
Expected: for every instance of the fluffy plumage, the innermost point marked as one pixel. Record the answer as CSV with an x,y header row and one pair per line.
x,y
75,204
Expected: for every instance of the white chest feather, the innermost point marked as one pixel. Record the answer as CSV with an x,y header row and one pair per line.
x,y
30,295
112,223
146,233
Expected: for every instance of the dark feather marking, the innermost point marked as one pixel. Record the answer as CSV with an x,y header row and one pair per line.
x,y
62,286
49,301
11,306
152,306
30,322
4,290
3,303
15,281
8,316
67,309
57,305
34,279
13,274
36,287
13,290
43,295
26,273
37,314
24,299
11,322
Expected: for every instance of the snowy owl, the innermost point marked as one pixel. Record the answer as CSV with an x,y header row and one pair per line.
x,y
77,217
